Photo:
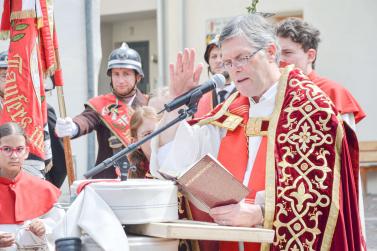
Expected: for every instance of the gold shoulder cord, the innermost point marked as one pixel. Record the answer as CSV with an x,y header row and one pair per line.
x,y
231,122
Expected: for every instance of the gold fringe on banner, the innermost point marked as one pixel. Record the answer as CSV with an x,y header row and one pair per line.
x,y
23,14
50,71
4,35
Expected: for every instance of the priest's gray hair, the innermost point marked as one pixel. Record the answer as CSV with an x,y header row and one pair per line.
x,y
255,28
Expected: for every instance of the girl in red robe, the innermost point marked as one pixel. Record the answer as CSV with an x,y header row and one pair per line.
x,y
23,198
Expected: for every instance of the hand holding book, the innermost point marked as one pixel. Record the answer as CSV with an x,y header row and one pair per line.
x,y
238,215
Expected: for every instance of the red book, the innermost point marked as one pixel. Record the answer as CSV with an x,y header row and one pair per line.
x,y
208,184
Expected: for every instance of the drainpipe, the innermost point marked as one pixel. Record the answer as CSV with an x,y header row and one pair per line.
x,y
183,23
90,75
161,43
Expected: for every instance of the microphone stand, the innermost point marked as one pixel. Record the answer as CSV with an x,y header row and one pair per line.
x,y
183,114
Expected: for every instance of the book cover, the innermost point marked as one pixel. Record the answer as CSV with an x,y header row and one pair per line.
x,y
208,184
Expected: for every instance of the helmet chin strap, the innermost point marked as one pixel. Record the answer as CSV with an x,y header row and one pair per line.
x,y
130,94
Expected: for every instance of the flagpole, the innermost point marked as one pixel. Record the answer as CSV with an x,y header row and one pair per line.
x,y
66,140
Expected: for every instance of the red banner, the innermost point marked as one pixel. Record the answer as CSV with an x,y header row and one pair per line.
x,y
24,95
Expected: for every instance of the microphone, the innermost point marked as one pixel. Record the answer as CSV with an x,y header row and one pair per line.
x,y
217,81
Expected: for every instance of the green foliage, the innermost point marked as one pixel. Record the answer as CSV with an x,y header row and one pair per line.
x,y
253,7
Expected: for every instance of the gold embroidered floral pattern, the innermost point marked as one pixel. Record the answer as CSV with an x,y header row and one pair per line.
x,y
306,142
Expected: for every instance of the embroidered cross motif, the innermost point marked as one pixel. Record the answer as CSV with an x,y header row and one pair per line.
x,y
257,126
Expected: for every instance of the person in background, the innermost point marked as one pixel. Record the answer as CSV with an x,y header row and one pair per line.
x,y
299,42
27,212
299,46
279,135
109,115
210,100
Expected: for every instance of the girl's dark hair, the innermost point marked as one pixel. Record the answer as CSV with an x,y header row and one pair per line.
x,y
11,128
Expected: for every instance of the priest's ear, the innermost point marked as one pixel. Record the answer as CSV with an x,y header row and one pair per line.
x,y
270,51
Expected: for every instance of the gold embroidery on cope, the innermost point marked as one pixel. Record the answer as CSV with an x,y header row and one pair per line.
x,y
271,193
304,154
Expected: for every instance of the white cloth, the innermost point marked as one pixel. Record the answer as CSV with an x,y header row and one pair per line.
x,y
89,213
189,145
66,127
26,239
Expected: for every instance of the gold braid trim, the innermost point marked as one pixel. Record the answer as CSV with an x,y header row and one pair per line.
x,y
50,71
221,112
4,35
23,14
334,208
270,159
